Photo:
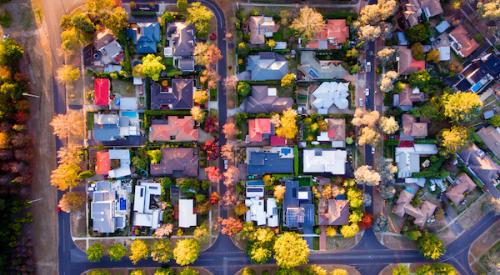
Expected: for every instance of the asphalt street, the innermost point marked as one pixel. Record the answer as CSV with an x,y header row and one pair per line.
x,y
369,256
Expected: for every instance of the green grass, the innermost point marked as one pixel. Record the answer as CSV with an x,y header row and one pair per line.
x,y
213,94
90,120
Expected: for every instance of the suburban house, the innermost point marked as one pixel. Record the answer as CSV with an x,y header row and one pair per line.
x,y
262,130
412,129
333,212
298,208
314,69
265,100
407,64
408,157
112,127
463,184
275,160
181,42
177,96
101,92
414,9
443,45
147,205
265,66
258,212
177,162
145,37
114,163
324,161
403,206
173,129
187,216
491,137
261,27
330,95
406,98
335,134
479,73
332,36
109,50
480,164
462,42
109,208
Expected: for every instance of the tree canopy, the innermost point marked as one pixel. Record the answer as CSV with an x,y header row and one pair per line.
x,y
290,250
200,16
308,22
186,251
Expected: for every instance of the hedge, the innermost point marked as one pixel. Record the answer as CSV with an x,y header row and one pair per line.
x,y
295,160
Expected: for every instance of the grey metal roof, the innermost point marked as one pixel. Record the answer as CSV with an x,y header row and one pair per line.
x,y
267,66
181,96
260,102
101,214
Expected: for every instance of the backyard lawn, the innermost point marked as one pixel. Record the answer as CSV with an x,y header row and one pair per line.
x,y
124,88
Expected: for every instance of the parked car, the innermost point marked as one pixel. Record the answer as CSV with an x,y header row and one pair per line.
x,y
373,150
368,66
360,102
367,92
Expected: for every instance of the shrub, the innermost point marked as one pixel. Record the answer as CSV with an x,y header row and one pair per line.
x,y
5,18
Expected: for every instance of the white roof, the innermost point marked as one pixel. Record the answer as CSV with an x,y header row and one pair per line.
x,y
143,219
272,212
444,53
303,195
128,103
139,196
126,131
256,211
121,154
280,45
418,181
324,161
186,216
426,149
137,81
408,161
330,93
102,119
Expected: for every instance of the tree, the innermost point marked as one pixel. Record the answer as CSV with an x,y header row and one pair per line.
x,y
231,176
230,226
138,250
152,66
214,198
417,51
430,246
369,32
271,43
460,107
339,271
368,135
229,198
189,271
433,56
155,156
259,254
314,270
373,14
362,117
243,89
71,201
230,83
355,216
164,230
137,272
230,131
117,251
186,251
116,20
308,22
198,114
210,78
288,80
4,140
213,174
418,33
489,10
288,124
70,40
349,231
279,193
200,16
452,140
290,250
401,269
247,271
164,271
95,252
385,54
389,125
161,251
420,79
366,221
386,84
207,54
200,97
10,52
69,124
495,121
364,175
240,209
65,176
182,5
436,268
201,234
68,74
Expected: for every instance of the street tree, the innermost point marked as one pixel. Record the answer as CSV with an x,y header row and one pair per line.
x,y
230,226
116,20
461,107
198,114
385,53
186,251
454,139
401,269
161,251
314,270
65,176
200,97
259,254
231,176
364,175
389,125
230,83
243,89
365,118
95,252
67,74
201,234
69,124
207,54
349,231
200,16
386,84
152,66
308,22
209,77
290,250
369,32
430,246
339,271
489,9
71,201
230,131
369,136
117,251
213,174
138,251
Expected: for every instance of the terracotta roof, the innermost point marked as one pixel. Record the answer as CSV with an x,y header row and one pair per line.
x,y
179,162
408,64
173,129
257,128
466,44
103,163
463,184
259,26
407,97
334,33
101,91
413,128
333,212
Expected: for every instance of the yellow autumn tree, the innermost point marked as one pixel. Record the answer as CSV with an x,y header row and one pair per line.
x,y
461,106
186,251
65,176
198,114
200,97
349,231
339,271
69,124
389,125
368,135
138,250
288,80
308,22
454,139
279,192
288,124
290,250
72,201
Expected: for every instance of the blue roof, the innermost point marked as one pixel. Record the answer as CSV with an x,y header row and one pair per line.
x,y
145,38
261,163
106,132
443,26
402,39
492,65
123,204
295,216
255,183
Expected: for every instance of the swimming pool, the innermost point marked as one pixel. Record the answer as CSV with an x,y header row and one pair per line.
x,y
130,114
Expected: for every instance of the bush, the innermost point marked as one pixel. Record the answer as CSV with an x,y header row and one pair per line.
x,y
5,18
243,89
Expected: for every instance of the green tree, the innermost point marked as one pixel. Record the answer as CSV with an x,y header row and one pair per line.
x,y
418,33
152,66
82,23
10,52
186,251
99,272
116,20
182,5
420,79
247,271
417,51
95,252
161,251
70,40
400,269
495,121
189,271
138,250
430,246
117,251
243,89
200,16
164,271
290,250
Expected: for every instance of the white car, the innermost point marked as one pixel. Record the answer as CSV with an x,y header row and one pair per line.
x,y
360,102
368,66
367,92
373,150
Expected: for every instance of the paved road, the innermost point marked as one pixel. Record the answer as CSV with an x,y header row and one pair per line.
x,y
369,256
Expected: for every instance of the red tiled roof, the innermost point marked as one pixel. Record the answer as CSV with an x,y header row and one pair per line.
x,y
278,141
467,43
101,91
257,128
176,129
335,29
103,163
